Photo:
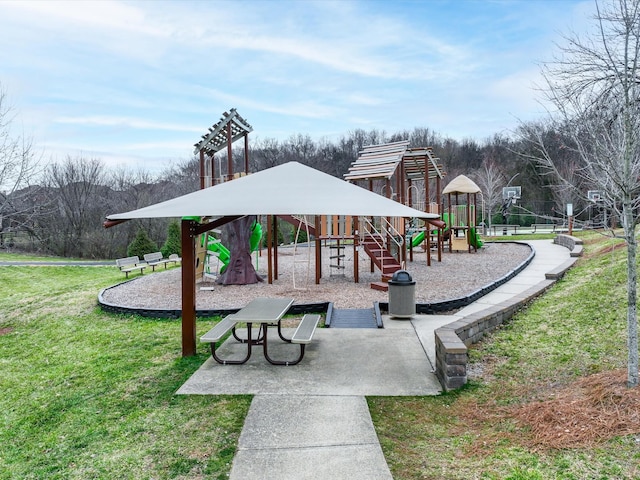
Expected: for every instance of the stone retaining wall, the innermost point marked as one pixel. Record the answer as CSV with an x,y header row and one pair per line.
x,y
453,340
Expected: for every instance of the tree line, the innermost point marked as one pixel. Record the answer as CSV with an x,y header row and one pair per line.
x,y
58,208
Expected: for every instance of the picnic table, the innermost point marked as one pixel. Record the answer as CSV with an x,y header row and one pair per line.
x,y
266,312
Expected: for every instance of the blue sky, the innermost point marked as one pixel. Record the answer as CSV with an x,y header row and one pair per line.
x,y
137,83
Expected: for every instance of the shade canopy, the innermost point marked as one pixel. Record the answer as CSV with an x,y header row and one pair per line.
x,y
461,184
291,188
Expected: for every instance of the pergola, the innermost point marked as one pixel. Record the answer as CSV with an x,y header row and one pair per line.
x,y
287,189
230,128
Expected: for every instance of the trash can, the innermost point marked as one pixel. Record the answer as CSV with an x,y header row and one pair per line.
x,y
402,295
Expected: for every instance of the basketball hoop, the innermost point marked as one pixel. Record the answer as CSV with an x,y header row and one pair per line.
x,y
511,194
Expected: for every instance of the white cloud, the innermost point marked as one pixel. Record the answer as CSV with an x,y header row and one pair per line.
x,y
111,76
106,121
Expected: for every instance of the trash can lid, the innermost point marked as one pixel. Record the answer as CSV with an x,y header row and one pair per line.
x,y
401,277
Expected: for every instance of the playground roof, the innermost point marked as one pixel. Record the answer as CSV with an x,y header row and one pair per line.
x,y
231,124
291,188
377,161
382,161
461,184
420,162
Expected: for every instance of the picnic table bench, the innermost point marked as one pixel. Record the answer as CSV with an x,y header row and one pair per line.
x,y
130,264
266,312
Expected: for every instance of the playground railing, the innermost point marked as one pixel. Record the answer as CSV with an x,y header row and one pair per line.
x,y
385,231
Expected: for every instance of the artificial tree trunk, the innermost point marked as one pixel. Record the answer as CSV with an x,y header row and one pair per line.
x,y
240,270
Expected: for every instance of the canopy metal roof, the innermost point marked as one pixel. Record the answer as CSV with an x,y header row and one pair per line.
x,y
291,188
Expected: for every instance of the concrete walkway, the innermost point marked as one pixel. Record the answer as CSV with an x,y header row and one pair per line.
x,y
311,421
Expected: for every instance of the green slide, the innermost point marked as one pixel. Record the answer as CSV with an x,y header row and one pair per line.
x,y
221,251
417,239
474,238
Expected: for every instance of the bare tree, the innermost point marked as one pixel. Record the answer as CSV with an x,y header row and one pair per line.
x,y
490,180
19,168
77,187
594,88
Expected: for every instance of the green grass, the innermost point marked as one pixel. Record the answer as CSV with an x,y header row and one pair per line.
x,y
575,329
91,395
20,257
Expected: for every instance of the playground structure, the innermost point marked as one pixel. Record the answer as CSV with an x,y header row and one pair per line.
x,y
405,175
394,170
221,135
211,251
459,212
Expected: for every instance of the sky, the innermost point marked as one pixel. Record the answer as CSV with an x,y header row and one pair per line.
x,y
137,83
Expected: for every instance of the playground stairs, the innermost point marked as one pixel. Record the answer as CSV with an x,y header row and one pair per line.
x,y
298,222
382,258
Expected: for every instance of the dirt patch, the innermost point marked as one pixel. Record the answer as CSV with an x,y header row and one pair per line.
x,y
589,411
6,330
586,412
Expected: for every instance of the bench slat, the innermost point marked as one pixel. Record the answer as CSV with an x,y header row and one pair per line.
x,y
219,330
304,332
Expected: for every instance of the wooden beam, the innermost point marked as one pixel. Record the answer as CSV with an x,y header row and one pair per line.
x,y
113,223
246,154
201,169
206,227
229,154
188,237
270,219
356,260
318,222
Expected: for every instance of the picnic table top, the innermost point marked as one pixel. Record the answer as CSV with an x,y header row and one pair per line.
x,y
264,310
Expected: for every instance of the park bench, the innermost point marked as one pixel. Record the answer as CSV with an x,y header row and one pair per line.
x,y
175,258
154,259
130,264
550,227
504,229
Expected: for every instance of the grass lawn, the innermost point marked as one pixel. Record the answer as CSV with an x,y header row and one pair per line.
x,y
91,395
541,361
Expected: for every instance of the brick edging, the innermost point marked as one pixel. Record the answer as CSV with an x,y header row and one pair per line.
x,y
452,340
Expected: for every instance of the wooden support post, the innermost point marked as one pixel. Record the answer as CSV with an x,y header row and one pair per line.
x,y
229,154
213,170
318,221
275,247
270,249
188,288
469,222
427,200
201,169
246,154
356,260
428,234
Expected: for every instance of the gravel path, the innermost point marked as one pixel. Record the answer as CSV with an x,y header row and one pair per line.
x,y
457,275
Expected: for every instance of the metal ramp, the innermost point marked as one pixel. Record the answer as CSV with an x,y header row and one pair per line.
x,y
354,317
